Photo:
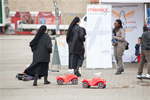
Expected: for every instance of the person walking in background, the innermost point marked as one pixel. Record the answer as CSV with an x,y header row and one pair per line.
x,y
120,45
145,54
138,49
75,39
41,47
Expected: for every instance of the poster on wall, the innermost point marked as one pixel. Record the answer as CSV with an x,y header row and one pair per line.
x,y
132,16
99,36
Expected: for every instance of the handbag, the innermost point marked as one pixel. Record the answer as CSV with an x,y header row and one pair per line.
x,y
127,46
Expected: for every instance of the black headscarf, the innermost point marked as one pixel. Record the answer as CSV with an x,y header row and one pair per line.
x,y
119,22
69,32
40,32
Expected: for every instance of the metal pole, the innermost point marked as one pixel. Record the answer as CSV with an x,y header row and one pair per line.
x,y
57,18
35,21
21,18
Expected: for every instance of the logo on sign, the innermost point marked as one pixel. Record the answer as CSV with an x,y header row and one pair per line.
x,y
125,17
97,9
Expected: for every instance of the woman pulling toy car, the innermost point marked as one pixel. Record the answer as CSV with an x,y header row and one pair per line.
x,y
75,39
41,47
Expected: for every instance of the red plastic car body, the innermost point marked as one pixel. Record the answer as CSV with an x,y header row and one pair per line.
x,y
68,78
101,83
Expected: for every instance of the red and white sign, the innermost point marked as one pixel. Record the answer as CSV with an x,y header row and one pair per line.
x,y
99,36
97,9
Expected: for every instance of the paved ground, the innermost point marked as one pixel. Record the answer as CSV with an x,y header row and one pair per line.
x,y
15,54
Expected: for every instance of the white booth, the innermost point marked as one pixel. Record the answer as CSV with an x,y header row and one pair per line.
x,y
132,14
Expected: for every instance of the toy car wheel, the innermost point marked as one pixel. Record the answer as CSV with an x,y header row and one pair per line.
x,y
100,85
17,76
21,77
104,86
60,82
85,85
24,77
74,81
88,86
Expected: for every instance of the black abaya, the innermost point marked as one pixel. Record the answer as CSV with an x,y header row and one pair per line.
x,y
75,39
75,60
40,68
41,47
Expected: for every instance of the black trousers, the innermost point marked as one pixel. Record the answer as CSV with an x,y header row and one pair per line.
x,y
75,60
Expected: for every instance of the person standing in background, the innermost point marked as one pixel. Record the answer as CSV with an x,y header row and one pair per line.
x,y
138,49
145,54
119,47
41,47
75,39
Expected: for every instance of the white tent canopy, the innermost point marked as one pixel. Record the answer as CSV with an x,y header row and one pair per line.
x,y
125,1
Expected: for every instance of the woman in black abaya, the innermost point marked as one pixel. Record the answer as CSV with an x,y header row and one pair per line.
x,y
41,47
75,39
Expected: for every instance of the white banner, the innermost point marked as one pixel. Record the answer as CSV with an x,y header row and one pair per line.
x,y
61,54
63,50
99,36
132,16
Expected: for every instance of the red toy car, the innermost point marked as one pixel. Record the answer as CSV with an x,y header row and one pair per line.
x,y
101,83
68,78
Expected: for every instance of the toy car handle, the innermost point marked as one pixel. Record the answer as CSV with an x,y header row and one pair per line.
x,y
97,74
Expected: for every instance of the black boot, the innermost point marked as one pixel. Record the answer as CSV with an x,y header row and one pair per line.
x,y
76,71
46,81
118,73
78,74
35,80
122,70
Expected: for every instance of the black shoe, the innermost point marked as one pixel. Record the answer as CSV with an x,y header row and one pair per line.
x,y
47,82
78,74
118,73
34,83
122,70
35,80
